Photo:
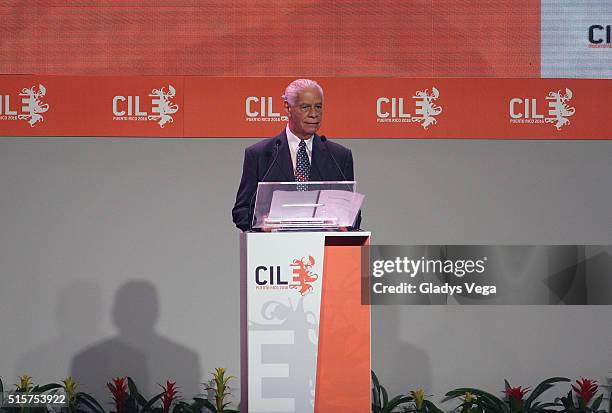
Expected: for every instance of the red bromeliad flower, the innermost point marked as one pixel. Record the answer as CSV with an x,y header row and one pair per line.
x,y
119,390
170,395
516,394
586,389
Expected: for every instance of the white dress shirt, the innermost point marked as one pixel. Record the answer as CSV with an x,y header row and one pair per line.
x,y
294,143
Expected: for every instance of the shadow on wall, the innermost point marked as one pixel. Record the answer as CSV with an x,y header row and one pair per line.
x,y
78,313
401,366
137,350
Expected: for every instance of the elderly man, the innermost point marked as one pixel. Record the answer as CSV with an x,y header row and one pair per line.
x,y
302,154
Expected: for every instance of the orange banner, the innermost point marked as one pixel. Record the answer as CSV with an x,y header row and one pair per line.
x,y
200,106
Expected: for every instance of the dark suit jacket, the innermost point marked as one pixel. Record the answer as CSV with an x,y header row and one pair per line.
x,y
257,160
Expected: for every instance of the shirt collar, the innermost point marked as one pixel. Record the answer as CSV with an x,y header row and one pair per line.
x,y
294,141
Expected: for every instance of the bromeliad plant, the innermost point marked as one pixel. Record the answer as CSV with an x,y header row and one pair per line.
x,y
514,400
470,404
585,396
76,401
118,389
70,388
584,401
169,396
26,385
79,401
420,404
515,397
415,402
220,389
127,398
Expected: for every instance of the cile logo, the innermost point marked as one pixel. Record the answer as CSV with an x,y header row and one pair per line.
x,y
261,109
525,110
600,36
271,278
33,106
303,275
425,109
161,107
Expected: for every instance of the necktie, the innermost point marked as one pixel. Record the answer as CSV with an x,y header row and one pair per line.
x,y
302,166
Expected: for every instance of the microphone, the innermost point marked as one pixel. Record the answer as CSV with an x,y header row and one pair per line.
x,y
314,165
277,144
324,140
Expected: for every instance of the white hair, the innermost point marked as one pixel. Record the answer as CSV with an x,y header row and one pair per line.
x,y
297,86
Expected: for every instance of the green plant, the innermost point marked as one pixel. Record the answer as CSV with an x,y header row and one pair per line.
x,y
127,398
184,407
585,396
514,400
420,404
26,385
219,386
169,396
469,404
584,401
79,401
380,398
609,394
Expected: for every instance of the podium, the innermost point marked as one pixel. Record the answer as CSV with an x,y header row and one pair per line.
x,y
305,335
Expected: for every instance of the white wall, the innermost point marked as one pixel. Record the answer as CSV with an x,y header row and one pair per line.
x,y
80,218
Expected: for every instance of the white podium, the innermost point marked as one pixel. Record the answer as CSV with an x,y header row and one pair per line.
x,y
305,334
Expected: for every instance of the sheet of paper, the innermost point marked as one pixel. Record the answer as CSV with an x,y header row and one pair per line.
x,y
341,204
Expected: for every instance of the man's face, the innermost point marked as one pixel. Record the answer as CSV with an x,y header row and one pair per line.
x,y
306,115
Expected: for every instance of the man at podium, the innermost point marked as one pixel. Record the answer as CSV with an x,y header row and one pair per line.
x,y
296,154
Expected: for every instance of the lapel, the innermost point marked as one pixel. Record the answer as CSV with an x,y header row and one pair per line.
x,y
319,160
284,159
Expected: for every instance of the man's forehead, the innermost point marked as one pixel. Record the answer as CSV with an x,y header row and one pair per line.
x,y
309,94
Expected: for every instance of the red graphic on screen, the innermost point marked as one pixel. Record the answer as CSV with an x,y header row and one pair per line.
x,y
275,38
